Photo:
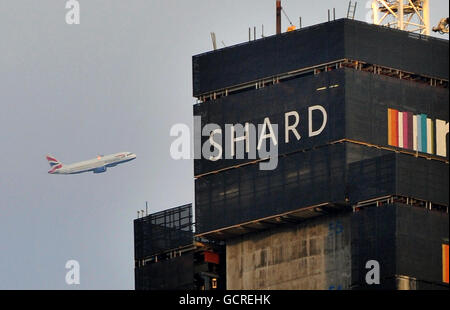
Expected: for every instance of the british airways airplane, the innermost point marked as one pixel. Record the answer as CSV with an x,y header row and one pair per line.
x,y
96,165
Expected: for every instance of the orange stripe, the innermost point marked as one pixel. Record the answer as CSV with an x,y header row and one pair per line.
x,y
445,263
389,126
394,119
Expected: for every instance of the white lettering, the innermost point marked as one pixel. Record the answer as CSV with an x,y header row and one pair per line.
x,y
324,122
263,134
291,127
245,137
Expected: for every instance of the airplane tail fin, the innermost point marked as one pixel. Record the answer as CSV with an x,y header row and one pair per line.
x,y
52,161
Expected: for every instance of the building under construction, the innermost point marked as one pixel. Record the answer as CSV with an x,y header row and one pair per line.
x,y
362,174
167,257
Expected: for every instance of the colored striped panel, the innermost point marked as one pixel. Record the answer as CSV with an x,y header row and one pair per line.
x,y
400,129
423,133
419,133
433,137
415,133
391,131
409,131
394,127
405,130
430,136
441,137
389,127
445,263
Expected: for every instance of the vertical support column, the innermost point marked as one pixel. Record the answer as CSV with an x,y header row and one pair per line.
x,y
278,16
376,20
426,16
401,14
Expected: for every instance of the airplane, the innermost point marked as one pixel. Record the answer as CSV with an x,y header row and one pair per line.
x,y
96,165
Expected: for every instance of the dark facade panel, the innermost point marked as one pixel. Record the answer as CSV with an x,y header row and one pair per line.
x,y
302,179
420,235
373,238
316,45
356,104
398,174
163,231
397,49
240,195
274,102
333,173
174,274
267,57
369,96
423,179
370,178
402,239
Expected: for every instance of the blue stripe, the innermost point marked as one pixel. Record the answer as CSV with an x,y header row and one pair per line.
x,y
109,165
119,162
423,132
78,172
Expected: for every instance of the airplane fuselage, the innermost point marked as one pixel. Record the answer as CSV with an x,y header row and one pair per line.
x,y
96,165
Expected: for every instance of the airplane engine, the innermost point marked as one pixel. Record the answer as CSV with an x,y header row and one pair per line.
x,y
100,169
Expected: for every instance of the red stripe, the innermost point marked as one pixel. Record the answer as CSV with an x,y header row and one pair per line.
x,y
211,257
51,159
405,131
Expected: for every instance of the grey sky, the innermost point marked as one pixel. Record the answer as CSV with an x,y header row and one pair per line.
x,y
116,82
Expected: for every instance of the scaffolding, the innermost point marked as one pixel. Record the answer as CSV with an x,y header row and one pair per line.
x,y
407,15
168,230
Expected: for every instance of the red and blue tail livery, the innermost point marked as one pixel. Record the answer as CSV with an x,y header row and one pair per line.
x,y
52,161
96,165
